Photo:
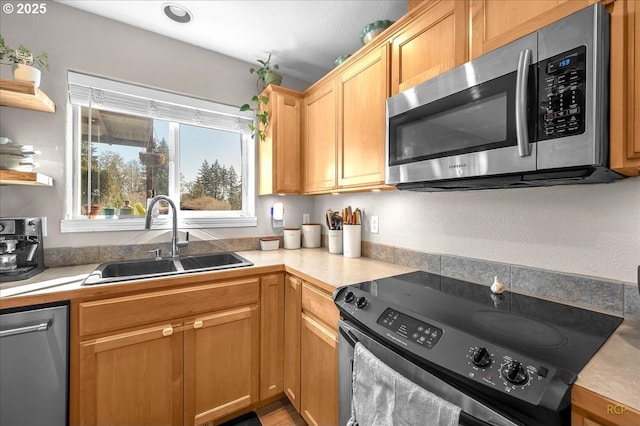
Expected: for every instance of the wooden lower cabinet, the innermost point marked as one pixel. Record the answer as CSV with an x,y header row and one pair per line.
x,y
311,352
292,320
193,369
592,409
272,323
221,364
132,378
318,373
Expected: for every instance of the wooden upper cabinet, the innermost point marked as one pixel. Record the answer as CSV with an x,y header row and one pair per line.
x,y
132,378
319,136
362,92
434,42
495,23
221,364
280,153
624,87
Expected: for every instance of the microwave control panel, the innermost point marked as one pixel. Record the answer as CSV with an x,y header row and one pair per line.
x,y
561,85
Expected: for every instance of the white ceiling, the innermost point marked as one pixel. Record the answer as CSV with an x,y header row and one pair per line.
x,y
304,36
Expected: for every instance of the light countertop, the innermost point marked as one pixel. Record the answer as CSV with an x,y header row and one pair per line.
x,y
612,372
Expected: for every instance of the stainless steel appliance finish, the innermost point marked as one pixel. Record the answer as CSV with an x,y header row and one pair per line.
x,y
504,359
531,113
34,365
21,249
473,412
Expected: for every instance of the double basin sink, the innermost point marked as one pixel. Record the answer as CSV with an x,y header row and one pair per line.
x,y
151,268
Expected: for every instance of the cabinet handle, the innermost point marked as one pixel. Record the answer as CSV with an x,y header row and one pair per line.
x,y
197,324
167,331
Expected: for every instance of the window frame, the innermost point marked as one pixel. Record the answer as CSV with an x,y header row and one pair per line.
x,y
186,219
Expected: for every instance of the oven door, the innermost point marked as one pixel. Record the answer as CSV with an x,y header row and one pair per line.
x,y
474,413
478,119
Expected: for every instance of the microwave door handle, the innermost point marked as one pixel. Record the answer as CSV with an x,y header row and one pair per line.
x,y
522,131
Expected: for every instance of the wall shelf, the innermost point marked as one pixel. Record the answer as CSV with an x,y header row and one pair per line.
x,y
21,94
13,177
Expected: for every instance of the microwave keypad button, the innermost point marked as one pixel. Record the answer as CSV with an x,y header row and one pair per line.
x,y
549,116
574,111
573,129
561,126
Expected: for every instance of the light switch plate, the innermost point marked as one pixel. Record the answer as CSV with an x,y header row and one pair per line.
x,y
374,224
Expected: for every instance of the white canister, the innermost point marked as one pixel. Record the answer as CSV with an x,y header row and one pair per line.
x,y
291,238
352,240
335,241
311,235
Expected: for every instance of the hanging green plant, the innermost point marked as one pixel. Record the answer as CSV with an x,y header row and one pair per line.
x,y
267,74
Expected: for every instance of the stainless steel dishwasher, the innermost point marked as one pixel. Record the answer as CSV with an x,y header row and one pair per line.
x,y
34,365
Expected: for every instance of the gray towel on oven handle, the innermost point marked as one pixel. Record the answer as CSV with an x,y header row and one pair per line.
x,y
383,397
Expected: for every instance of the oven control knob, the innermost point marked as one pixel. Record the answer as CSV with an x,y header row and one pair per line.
x,y
349,297
516,373
361,302
481,357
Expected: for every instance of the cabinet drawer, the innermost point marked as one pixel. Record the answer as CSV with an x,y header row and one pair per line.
x,y
319,305
123,312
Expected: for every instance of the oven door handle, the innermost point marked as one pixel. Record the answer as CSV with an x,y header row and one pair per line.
x,y
522,78
349,336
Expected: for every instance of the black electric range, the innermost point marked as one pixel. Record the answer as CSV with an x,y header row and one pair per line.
x,y
513,351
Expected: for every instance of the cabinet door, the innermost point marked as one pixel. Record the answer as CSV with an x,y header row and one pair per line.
x,y
624,88
363,91
495,23
280,152
320,135
292,310
271,335
133,378
318,373
435,42
221,364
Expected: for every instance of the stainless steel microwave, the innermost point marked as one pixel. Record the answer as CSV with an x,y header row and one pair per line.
x,y
531,113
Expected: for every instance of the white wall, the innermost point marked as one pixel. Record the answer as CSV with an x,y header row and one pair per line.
x,y
582,229
76,40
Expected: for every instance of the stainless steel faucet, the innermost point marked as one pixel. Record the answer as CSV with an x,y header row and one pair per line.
x,y
174,236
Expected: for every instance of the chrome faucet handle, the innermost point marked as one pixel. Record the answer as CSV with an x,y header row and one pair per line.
x,y
157,251
186,240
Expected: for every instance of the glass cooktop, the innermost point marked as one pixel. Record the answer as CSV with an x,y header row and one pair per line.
x,y
559,334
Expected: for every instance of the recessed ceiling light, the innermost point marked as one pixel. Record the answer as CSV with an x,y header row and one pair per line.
x,y
177,13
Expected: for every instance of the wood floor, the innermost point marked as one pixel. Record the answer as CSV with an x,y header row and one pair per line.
x,y
280,413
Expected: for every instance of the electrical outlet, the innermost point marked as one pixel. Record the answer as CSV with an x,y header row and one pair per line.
x,y
306,218
374,224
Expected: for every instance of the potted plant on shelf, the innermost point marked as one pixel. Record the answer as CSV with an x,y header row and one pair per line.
x,y
26,67
267,74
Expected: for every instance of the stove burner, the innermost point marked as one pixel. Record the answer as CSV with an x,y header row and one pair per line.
x,y
517,330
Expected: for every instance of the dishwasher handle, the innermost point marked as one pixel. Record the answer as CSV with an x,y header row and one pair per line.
x,y
44,326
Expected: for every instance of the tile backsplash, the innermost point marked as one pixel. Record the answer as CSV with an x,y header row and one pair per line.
x,y
614,297
610,296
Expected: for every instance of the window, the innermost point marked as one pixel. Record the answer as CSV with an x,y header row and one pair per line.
x,y
130,143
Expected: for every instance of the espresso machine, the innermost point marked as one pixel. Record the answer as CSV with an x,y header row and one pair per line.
x,y
21,248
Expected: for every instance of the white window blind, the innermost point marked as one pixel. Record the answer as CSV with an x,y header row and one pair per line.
x,y
105,94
